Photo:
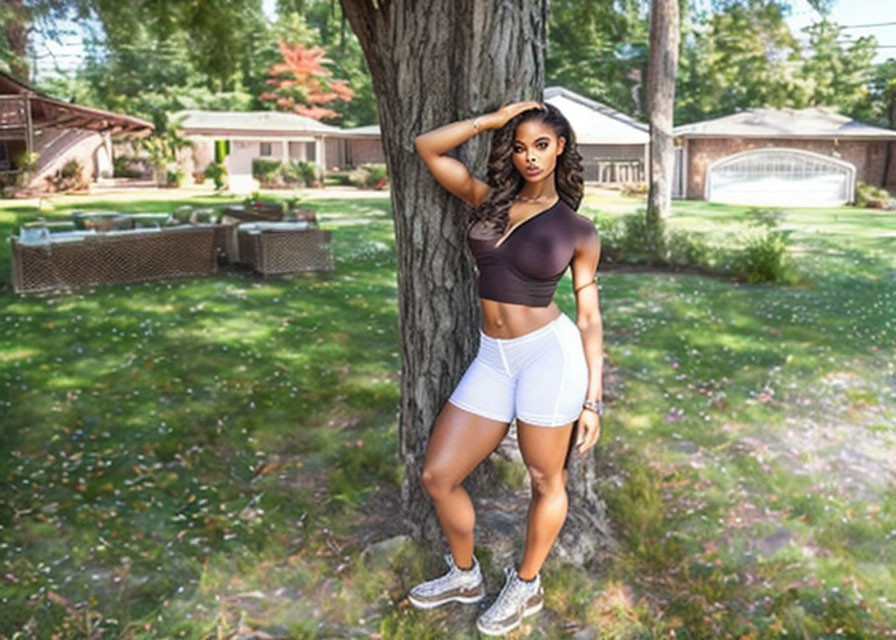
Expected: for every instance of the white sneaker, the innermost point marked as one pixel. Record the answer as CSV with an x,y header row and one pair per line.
x,y
455,586
517,600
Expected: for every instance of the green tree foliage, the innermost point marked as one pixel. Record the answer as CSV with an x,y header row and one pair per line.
x,y
149,58
880,104
742,56
837,74
213,36
14,20
599,49
735,55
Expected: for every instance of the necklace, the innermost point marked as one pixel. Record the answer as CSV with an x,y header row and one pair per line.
x,y
523,198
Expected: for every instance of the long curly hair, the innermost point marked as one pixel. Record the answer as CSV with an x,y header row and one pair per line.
x,y
506,181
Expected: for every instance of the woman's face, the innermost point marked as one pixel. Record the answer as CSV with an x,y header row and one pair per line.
x,y
535,150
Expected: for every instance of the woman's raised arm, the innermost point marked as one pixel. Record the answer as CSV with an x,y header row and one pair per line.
x,y
451,173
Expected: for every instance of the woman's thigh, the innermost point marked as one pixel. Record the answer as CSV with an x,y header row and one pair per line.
x,y
461,440
552,386
544,450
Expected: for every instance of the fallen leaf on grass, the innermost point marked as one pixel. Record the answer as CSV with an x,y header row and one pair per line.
x,y
675,414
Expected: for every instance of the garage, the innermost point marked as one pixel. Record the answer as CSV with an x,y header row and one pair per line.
x,y
782,157
781,177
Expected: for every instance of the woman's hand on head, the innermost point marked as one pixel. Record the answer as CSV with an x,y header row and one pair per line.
x,y
588,431
503,115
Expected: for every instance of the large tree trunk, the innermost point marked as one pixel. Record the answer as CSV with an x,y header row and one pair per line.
x,y
15,31
662,69
433,63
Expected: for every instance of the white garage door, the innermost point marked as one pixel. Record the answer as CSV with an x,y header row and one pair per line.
x,y
781,178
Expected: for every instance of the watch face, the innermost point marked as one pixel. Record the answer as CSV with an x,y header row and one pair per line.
x,y
595,405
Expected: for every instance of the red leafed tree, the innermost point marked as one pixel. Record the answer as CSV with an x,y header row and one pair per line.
x,y
302,84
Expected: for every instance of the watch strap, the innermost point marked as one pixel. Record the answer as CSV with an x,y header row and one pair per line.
x,y
594,405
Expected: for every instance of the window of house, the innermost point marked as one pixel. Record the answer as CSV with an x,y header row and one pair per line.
x,y
265,149
4,156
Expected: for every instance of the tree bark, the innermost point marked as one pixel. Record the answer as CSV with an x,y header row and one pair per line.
x,y
433,63
662,70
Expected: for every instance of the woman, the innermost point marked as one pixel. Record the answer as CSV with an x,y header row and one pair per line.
x,y
533,364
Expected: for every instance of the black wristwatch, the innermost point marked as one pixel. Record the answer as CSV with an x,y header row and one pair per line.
x,y
595,405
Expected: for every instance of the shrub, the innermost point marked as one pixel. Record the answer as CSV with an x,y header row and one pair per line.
x,y
290,174
174,177
310,173
7,184
638,242
357,177
267,172
70,177
763,258
342,178
369,176
871,197
378,176
217,173
685,249
300,172
27,160
125,166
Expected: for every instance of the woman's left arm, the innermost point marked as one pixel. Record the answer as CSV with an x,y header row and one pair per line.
x,y
584,269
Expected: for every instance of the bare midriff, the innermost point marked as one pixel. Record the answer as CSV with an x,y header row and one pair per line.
x,y
506,320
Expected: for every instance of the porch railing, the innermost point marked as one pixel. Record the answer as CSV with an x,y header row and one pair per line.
x,y
613,171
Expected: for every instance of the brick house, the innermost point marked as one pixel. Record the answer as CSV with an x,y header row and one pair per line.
x,y
782,157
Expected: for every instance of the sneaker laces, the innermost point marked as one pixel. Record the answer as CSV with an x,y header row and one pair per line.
x,y
504,594
453,573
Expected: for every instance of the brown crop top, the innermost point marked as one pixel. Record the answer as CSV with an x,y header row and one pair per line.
x,y
527,264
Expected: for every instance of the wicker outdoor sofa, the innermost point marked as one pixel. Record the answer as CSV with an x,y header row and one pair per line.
x,y
74,259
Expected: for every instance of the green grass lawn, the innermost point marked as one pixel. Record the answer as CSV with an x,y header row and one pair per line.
x,y
211,457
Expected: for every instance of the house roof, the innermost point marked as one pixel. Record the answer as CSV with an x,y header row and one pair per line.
x,y
262,122
366,131
594,122
49,112
783,123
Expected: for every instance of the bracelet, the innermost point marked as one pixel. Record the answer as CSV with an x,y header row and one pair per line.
x,y
476,124
594,405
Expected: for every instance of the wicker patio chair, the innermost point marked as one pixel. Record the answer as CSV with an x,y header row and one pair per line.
x,y
284,248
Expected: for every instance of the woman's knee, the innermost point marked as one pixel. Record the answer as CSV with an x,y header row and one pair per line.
x,y
546,483
436,481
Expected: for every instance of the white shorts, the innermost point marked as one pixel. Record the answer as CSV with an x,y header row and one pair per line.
x,y
540,377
